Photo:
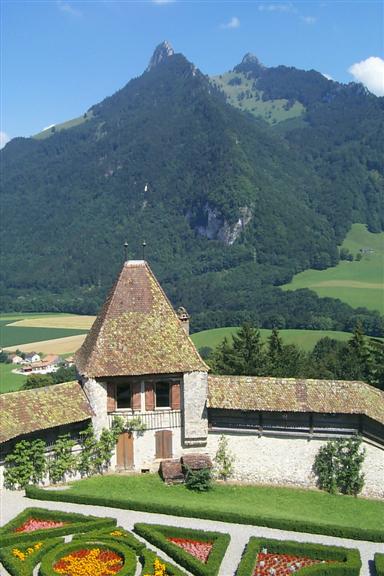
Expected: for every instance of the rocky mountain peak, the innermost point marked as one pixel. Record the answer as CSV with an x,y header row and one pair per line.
x,y
250,58
161,53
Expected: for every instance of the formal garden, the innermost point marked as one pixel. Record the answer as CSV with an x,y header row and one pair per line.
x,y
50,543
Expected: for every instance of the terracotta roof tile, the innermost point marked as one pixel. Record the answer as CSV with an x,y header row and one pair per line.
x,y
41,408
137,331
295,395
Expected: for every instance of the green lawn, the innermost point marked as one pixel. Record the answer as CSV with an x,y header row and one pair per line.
x,y
304,339
250,501
358,283
16,335
10,382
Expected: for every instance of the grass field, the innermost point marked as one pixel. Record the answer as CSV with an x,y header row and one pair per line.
x,y
296,504
358,283
305,339
247,98
70,321
10,382
16,336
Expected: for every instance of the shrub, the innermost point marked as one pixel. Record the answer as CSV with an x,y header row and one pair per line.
x,y
379,564
224,459
25,465
338,466
63,461
147,560
198,480
348,560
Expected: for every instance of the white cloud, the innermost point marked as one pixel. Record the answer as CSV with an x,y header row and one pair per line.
x,y
308,19
163,1
66,7
370,73
4,138
327,76
233,23
48,127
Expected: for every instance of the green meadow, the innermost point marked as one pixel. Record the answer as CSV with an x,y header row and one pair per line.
x,y
10,382
18,335
304,339
358,283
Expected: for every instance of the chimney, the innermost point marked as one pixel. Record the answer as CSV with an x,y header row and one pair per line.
x,y
184,317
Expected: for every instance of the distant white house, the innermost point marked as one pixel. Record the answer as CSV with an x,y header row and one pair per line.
x,y
32,357
16,359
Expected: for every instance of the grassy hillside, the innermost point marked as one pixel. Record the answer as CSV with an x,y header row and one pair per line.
x,y
358,283
241,93
305,339
63,126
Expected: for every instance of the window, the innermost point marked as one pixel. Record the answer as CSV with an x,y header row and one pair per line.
x,y
163,395
123,396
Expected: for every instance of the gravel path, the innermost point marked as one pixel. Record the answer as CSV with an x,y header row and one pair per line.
x,y
12,503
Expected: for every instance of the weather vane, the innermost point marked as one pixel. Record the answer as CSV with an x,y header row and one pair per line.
x,y
144,244
125,251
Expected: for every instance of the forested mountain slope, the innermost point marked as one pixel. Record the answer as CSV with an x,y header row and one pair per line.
x,y
229,205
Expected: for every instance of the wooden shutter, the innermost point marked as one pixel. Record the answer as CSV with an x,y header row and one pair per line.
x,y
149,396
163,440
111,397
175,396
136,396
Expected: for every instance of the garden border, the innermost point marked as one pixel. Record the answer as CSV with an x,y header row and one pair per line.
x,y
349,556
354,533
25,568
157,534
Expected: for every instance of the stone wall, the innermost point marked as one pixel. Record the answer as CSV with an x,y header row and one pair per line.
x,y
289,461
194,397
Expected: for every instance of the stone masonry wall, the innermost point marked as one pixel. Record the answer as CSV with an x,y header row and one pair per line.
x,y
195,390
288,461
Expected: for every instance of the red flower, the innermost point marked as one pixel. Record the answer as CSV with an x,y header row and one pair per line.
x,y
196,548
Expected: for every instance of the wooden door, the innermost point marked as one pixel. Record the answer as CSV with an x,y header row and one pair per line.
x,y
124,451
163,444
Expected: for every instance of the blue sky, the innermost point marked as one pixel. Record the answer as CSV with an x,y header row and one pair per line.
x,y
59,57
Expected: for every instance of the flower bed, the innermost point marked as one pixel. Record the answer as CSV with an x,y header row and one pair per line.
x,y
164,538
89,558
89,562
196,548
33,524
20,559
282,564
264,557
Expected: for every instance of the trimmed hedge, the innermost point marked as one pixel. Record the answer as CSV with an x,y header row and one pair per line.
x,y
77,523
125,538
129,568
157,535
355,533
25,567
147,558
379,564
350,558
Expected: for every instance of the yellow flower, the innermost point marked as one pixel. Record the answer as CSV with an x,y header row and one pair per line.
x,y
116,533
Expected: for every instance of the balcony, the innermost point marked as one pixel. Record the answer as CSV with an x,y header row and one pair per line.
x,y
154,420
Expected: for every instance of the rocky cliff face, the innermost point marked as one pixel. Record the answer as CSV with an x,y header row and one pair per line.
x,y
161,53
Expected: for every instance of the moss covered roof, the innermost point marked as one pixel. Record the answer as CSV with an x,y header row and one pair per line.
x,y
41,408
295,395
137,331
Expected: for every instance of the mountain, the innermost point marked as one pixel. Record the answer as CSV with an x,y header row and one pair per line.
x,y
230,206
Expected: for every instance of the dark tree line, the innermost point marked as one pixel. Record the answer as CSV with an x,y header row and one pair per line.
x,y
360,358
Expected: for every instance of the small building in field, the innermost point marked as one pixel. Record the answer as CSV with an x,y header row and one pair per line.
x,y
32,357
16,359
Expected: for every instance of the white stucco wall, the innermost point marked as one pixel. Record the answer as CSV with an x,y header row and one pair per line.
x,y
194,397
96,393
289,461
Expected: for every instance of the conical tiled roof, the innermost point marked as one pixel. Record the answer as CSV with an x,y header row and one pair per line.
x,y
137,331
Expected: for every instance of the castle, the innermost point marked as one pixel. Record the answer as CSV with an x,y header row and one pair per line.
x,y
138,362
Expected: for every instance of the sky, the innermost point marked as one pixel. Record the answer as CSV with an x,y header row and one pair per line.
x,y
59,57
